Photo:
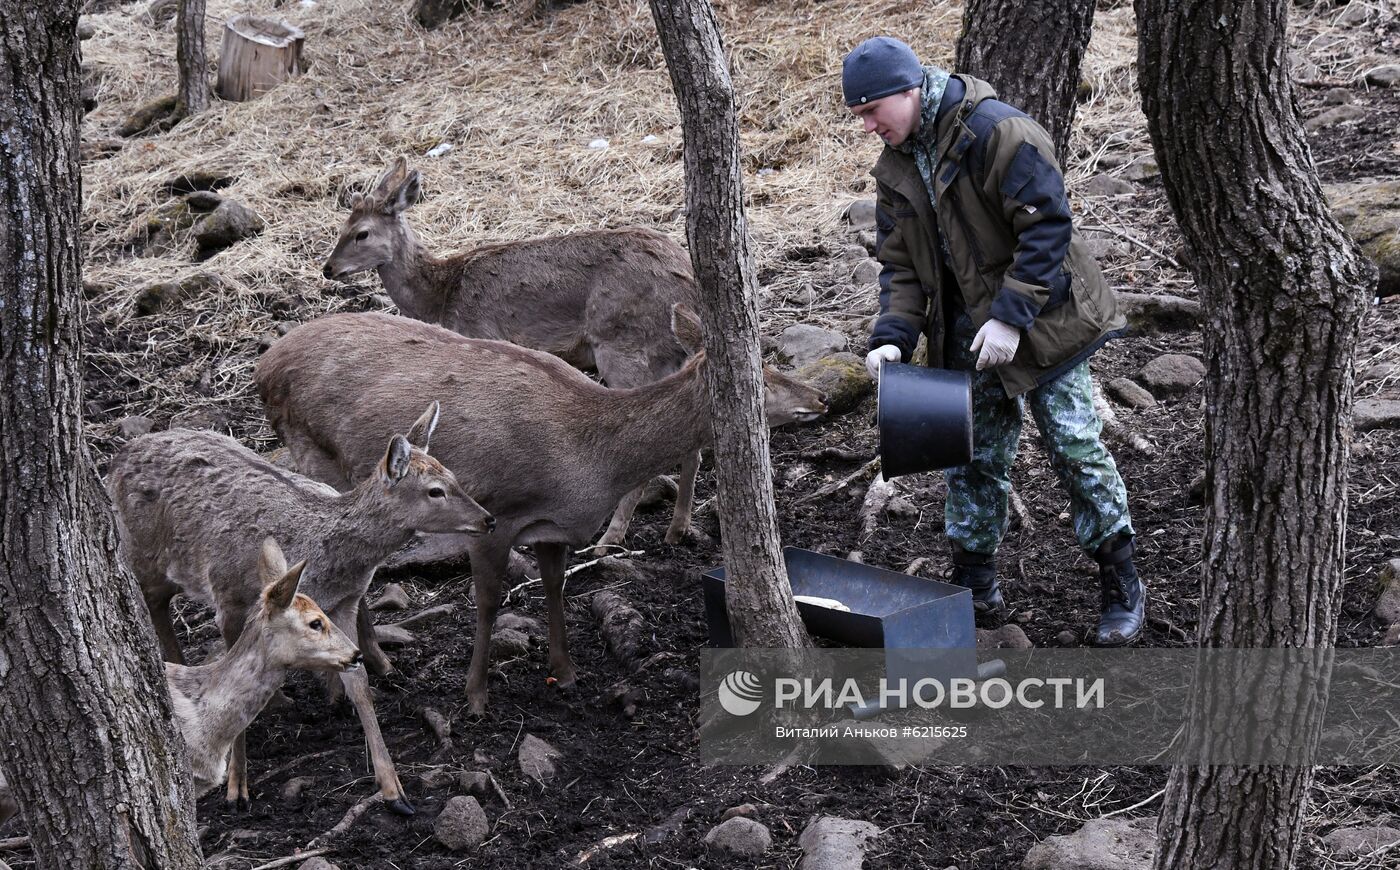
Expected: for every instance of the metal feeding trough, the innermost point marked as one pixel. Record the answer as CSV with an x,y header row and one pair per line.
x,y
909,617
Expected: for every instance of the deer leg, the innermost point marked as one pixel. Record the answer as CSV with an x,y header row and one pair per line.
x,y
236,793
488,567
356,683
551,559
158,605
685,500
375,659
617,528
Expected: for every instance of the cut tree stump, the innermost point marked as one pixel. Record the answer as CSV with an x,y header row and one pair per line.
x,y
258,54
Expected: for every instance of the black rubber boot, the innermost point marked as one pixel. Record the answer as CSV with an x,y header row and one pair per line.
x,y
1123,598
978,572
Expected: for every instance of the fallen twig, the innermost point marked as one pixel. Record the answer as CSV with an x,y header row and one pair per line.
x,y
877,498
840,454
425,615
14,844
1019,507
345,823
283,768
865,470
294,859
530,581
604,845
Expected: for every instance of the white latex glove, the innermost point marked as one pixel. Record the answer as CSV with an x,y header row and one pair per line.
x,y
878,355
997,343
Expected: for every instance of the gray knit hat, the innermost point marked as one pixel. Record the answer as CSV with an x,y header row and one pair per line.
x,y
878,67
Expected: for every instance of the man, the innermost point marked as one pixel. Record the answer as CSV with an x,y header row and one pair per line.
x,y
980,257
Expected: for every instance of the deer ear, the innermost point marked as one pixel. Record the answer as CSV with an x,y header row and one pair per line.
x,y
407,193
355,200
421,432
271,563
278,595
396,458
685,324
392,176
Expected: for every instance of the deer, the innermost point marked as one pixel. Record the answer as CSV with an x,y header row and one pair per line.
x,y
191,506
600,300
8,805
214,704
550,451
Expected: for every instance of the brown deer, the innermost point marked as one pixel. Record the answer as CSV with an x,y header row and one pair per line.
x,y
600,300
215,703
549,451
191,506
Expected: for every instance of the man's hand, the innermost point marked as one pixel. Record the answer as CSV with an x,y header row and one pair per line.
x,y
875,357
997,343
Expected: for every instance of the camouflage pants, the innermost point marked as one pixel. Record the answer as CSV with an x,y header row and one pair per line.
x,y
1063,410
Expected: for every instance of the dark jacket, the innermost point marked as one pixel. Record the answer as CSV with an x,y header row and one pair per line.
x,y
1012,253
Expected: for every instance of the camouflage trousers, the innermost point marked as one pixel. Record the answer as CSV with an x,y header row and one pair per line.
x,y
1063,410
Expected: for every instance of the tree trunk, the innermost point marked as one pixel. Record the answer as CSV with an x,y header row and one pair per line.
x,y
190,57
90,747
257,55
761,610
1283,290
1030,51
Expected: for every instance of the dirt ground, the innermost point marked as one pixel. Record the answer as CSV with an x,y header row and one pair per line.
x,y
622,774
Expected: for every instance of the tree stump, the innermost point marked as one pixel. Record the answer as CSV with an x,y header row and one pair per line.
x,y
258,54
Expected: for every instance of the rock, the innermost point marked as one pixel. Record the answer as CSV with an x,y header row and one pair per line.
x,y
519,622
831,843
1355,13
436,778
1172,374
1388,602
1142,168
866,238
1391,636
1376,414
860,215
461,824
292,789
317,864
135,426
739,836
1009,636
1159,312
393,635
394,597
660,490
537,759
436,723
1102,844
97,149
1337,97
1106,185
854,252
163,229
161,12
200,418
1302,69
867,271
842,377
225,226
1130,393
149,115
203,201
86,29
1333,116
803,343
1379,372
198,179
1370,211
1384,76
1352,843
748,811
1067,638
475,783
508,643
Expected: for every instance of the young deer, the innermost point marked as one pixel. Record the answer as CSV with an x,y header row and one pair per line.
x,y
191,506
549,451
215,703
600,300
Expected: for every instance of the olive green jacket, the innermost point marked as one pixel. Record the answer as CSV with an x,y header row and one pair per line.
x,y
1012,250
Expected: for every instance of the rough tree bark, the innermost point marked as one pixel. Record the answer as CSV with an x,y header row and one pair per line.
x,y
92,752
1283,291
1030,51
761,610
190,57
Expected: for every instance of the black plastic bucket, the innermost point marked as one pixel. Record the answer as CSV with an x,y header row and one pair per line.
x,y
925,419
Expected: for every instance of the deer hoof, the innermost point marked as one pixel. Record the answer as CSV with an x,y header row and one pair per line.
x,y
684,534
240,804
401,806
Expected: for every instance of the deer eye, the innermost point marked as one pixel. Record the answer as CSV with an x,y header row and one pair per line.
x,y
316,625
361,235
437,492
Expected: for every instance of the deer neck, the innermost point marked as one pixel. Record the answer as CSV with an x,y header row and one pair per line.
x,y
358,531
414,279
234,689
656,425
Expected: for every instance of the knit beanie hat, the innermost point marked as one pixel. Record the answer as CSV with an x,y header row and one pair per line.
x,y
878,67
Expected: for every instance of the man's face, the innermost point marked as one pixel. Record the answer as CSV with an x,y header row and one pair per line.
x,y
893,118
